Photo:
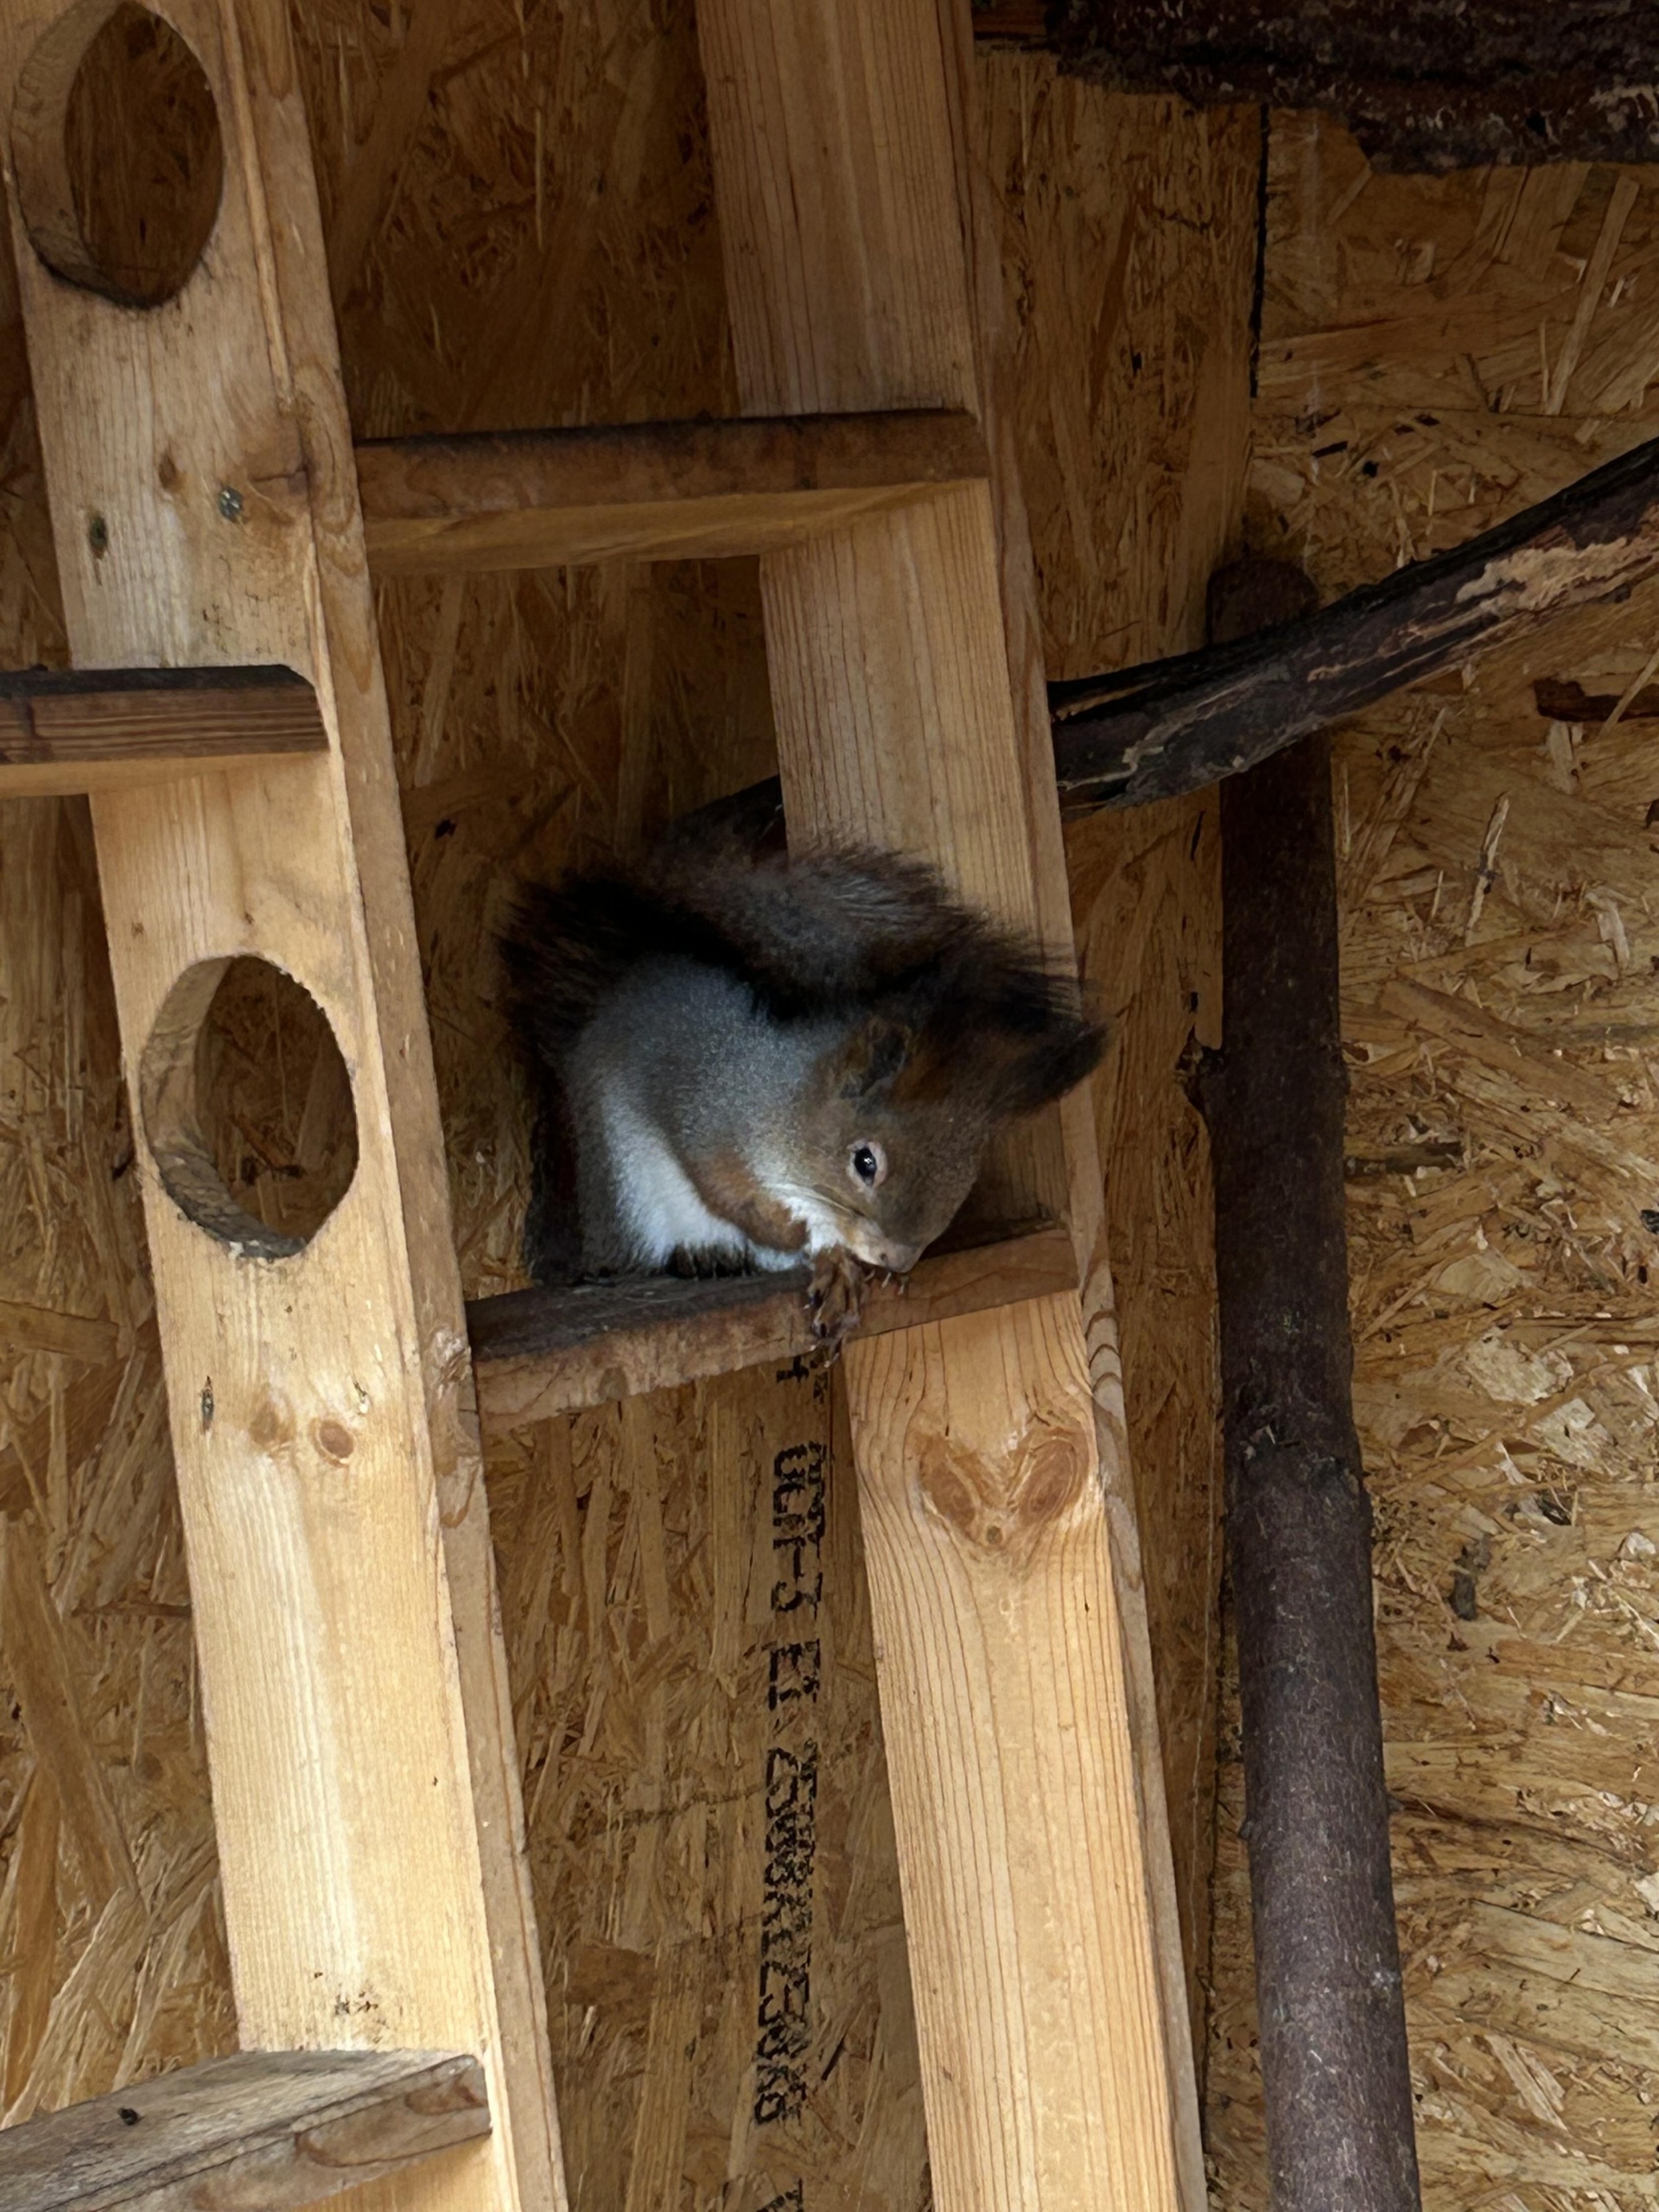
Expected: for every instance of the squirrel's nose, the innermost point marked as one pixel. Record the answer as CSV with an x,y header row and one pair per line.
x,y
900,1259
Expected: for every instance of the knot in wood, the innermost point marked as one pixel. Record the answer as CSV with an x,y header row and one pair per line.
x,y
1003,1506
333,1439
271,1426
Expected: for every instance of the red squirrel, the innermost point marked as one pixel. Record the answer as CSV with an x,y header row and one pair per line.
x,y
765,1059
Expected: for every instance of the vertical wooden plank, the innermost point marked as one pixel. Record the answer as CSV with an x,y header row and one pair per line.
x,y
1007,413
204,506
1127,235
999,1634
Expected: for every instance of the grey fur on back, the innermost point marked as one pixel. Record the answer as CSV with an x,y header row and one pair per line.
x,y
825,932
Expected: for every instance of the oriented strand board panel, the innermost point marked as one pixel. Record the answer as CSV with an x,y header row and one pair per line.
x,y
1127,240
1435,353
708,1805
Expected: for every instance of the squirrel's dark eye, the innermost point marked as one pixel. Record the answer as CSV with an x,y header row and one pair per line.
x,y
869,1163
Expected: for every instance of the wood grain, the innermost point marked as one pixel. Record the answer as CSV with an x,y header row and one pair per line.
x,y
838,134
649,490
111,729
366,1790
1004,286
264,2131
1001,1656
539,1352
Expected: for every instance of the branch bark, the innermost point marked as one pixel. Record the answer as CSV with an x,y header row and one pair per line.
x,y
1422,84
1175,726
1336,2080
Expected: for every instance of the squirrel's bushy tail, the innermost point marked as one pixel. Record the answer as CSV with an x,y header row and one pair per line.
x,y
829,931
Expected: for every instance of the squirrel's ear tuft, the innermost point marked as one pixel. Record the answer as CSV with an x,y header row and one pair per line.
x,y
871,1057
1039,1071
1017,1065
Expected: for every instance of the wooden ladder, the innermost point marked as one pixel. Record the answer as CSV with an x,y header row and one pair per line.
x,y
228,717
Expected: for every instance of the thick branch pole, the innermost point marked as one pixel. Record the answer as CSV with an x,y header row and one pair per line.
x,y
1175,726
1334,2068
1178,724
1422,84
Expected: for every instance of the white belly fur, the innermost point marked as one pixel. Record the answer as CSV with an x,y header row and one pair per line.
x,y
659,1202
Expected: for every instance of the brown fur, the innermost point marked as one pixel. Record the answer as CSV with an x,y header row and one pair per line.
x,y
728,1188
945,1024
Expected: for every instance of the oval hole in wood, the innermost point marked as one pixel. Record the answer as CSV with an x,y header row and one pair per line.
x,y
247,1106
116,144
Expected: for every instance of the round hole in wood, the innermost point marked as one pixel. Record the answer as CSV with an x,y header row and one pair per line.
x,y
247,1106
116,143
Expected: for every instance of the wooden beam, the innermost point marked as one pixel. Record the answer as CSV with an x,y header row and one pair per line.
x,y
836,130
540,1352
1176,724
1011,23
366,1786
65,730
650,490
265,2131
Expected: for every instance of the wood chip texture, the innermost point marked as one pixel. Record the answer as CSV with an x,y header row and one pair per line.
x,y
1435,352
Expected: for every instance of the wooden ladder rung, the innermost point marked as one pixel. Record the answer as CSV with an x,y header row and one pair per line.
x,y
650,490
64,730
264,2131
540,1352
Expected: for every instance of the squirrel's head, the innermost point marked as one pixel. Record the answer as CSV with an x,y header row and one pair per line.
x,y
897,1119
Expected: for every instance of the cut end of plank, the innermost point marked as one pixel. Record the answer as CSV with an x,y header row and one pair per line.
x,y
263,2129
69,730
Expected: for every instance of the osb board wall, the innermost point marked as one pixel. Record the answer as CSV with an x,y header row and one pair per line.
x,y
521,230
1129,249
1435,353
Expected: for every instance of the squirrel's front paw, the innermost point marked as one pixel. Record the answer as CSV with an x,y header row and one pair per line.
x,y
834,1297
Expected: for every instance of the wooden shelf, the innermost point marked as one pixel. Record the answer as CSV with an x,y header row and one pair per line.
x,y
650,490
64,730
540,1352
264,2131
